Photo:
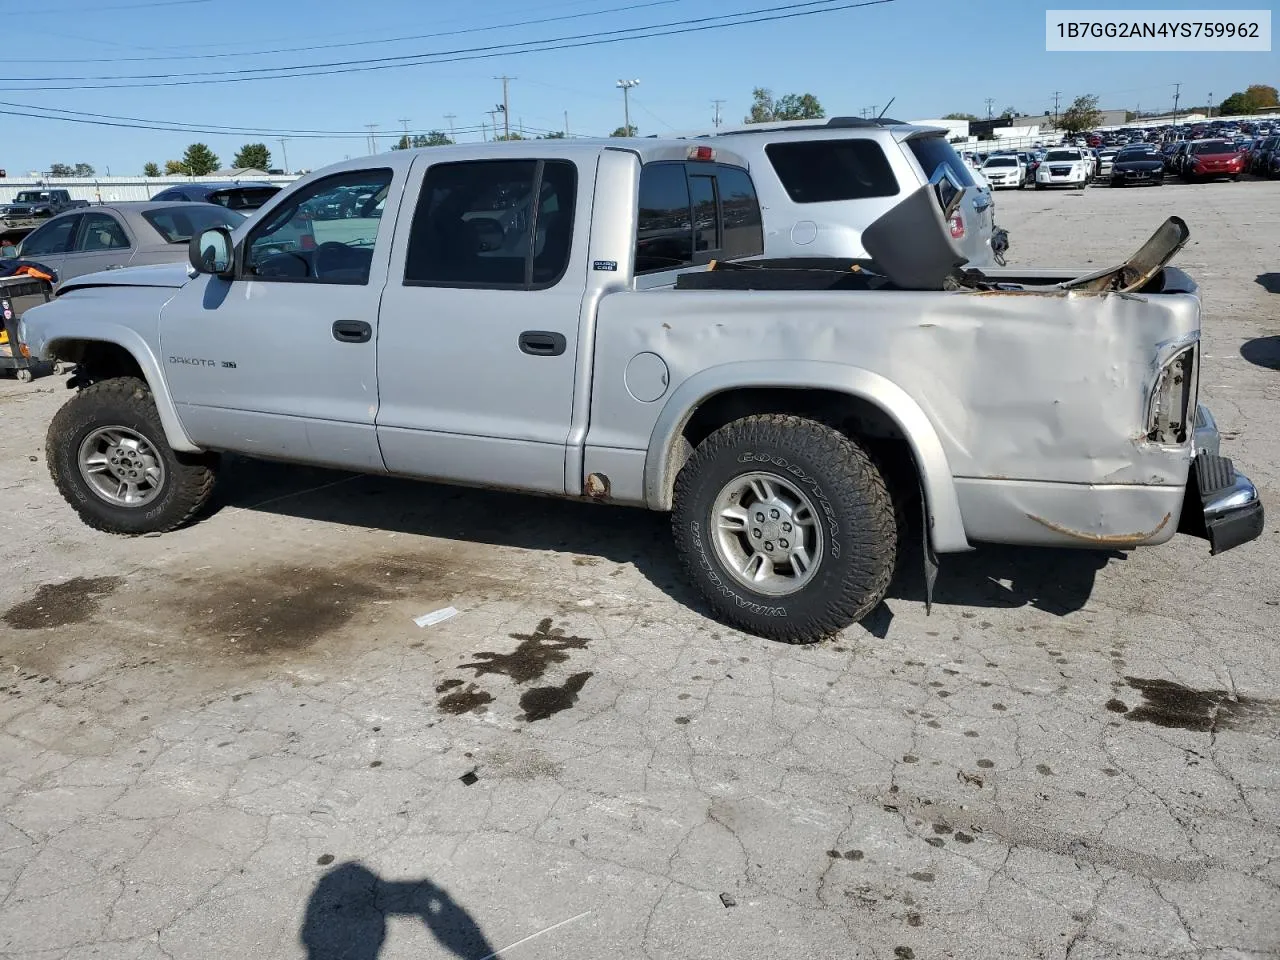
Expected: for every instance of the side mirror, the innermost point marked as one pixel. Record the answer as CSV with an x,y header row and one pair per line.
x,y
212,251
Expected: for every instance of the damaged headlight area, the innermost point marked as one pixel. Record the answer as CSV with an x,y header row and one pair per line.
x,y
1173,401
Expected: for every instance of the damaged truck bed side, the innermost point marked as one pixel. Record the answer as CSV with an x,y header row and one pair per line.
x,y
794,416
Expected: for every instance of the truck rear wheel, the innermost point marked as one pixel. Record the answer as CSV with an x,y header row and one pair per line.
x,y
786,526
109,459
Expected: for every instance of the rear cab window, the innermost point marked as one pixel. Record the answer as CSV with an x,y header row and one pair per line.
x,y
691,213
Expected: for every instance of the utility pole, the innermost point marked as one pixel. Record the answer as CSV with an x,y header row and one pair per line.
x,y
989,101
1057,98
285,152
1210,104
405,123
373,139
506,104
451,117
493,122
716,121
484,132
566,124
626,86
1177,90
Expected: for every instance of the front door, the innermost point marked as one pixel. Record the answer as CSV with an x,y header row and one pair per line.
x,y
281,362
479,326
50,243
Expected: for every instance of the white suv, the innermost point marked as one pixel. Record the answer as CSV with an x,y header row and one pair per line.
x,y
821,183
1004,170
1064,167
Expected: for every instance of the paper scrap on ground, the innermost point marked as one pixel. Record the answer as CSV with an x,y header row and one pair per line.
x,y
435,616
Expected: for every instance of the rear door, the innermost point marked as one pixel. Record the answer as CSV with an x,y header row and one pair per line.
x,y
479,327
102,243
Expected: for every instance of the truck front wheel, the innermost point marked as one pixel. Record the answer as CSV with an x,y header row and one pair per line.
x,y
109,459
786,526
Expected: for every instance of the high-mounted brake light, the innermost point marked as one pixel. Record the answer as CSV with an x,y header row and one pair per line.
x,y
702,153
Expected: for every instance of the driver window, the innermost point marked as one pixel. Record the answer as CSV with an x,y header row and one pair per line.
x,y
324,233
54,237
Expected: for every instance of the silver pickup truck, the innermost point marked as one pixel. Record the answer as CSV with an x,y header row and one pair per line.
x,y
478,321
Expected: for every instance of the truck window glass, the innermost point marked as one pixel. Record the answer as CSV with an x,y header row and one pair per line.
x,y
664,238
324,233
100,231
706,217
932,152
476,225
823,171
743,228
554,226
54,237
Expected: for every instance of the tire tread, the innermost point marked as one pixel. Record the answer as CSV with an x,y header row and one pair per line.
x,y
852,474
192,477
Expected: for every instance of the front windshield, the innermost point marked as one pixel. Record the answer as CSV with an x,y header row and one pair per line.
x,y
1001,162
1064,155
1213,146
180,224
28,196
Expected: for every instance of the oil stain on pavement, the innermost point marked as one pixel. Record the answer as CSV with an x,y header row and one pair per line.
x,y
529,661
61,604
1169,704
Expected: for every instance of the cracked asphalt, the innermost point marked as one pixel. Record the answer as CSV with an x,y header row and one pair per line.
x,y
233,741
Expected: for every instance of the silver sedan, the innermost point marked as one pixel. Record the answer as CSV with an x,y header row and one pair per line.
x,y
121,235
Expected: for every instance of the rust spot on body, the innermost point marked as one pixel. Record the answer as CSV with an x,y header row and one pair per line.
x,y
1103,539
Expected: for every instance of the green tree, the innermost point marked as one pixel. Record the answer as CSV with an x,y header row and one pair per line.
x,y
510,136
199,160
151,170
958,116
173,168
1263,95
632,131
793,106
1009,113
553,135
84,170
252,156
1082,115
61,170
435,138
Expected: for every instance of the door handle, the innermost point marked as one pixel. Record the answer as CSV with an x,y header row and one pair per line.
x,y
542,343
352,331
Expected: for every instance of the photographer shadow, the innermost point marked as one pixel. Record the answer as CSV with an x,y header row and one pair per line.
x,y
347,915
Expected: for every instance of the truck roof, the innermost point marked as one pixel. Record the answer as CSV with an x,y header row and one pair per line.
x,y
649,150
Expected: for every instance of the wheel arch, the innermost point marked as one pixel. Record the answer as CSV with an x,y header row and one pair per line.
x,y
750,387
117,351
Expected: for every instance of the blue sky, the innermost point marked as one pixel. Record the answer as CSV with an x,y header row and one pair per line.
x,y
934,56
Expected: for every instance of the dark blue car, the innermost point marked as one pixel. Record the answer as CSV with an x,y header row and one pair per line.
x,y
233,195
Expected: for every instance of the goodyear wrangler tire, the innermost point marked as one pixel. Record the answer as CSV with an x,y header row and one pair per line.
x,y
786,526
109,459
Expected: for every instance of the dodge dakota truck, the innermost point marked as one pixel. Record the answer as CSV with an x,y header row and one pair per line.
x,y
596,320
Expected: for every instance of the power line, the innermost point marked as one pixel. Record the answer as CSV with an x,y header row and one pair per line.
x,y
348,43
123,6
789,11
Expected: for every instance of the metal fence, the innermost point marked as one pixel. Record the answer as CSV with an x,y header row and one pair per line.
x,y
112,189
